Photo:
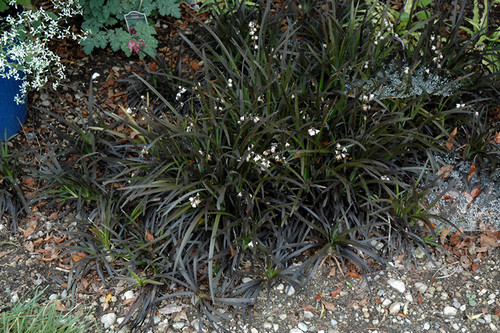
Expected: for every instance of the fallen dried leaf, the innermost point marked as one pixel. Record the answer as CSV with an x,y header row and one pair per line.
x,y
475,192
497,137
443,235
310,308
60,306
449,143
497,312
445,171
471,171
454,132
29,246
487,241
30,230
329,306
4,253
465,262
336,292
149,237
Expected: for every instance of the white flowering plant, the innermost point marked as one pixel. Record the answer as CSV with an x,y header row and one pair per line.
x,y
25,37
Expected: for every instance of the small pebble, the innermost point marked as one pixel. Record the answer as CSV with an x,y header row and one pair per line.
x,y
398,285
291,291
450,311
108,320
178,325
303,327
308,315
394,308
333,322
427,326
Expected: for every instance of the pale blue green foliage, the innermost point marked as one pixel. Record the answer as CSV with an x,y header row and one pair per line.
x,y
396,81
102,16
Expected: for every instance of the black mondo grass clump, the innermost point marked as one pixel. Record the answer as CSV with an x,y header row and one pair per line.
x,y
287,147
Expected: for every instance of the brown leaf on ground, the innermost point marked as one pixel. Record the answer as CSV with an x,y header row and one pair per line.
x,y
449,143
336,292
487,241
60,306
4,253
29,246
329,306
465,262
497,137
30,230
475,192
310,308
149,237
454,132
445,171
497,312
443,235
472,171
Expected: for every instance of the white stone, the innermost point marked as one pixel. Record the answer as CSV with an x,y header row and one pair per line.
x,y
303,327
267,326
308,315
246,280
276,327
421,287
129,294
282,316
280,287
170,308
296,330
254,330
449,311
487,318
427,326
108,320
291,291
455,326
398,285
493,327
178,325
386,302
333,322
395,308
409,298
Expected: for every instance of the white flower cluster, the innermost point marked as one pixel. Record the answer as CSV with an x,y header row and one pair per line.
x,y
179,94
195,201
340,152
439,56
313,131
253,30
25,52
255,119
367,99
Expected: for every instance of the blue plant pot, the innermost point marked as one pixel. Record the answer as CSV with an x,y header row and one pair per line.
x,y
12,115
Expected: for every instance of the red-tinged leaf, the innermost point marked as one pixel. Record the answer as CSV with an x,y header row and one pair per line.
x,y
420,300
53,216
497,137
449,144
474,267
445,170
60,306
329,306
353,274
475,192
149,237
336,292
472,170
310,308
455,131
497,312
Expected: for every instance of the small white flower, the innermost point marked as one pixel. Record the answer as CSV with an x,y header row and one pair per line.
x,y
313,131
195,201
385,178
95,76
256,119
229,83
407,70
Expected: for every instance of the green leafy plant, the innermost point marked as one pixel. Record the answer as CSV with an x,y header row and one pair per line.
x,y
27,315
104,20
